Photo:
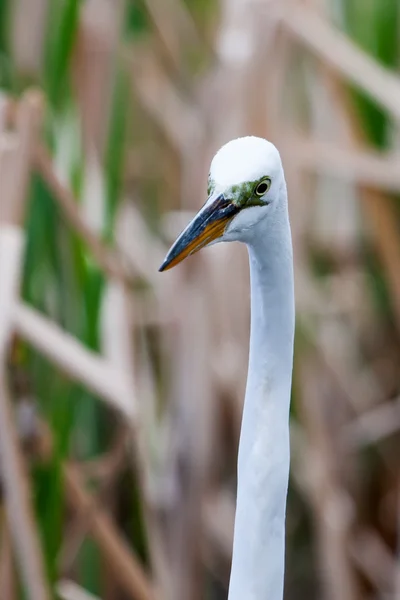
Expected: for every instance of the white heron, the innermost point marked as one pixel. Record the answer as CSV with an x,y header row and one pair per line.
x,y
247,202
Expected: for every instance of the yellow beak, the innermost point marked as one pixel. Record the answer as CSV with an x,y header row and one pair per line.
x,y
208,225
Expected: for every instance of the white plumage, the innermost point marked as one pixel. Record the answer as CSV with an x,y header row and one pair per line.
x,y
245,159
263,463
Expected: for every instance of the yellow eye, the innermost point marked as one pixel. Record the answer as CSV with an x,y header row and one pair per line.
x,y
263,187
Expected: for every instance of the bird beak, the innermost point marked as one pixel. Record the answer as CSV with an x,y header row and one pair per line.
x,y
208,225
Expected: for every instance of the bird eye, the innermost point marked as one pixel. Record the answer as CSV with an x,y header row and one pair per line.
x,y
263,187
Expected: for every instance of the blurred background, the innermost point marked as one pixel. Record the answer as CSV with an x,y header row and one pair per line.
x,y
121,389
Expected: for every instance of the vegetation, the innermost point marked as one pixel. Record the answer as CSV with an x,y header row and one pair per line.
x,y
126,385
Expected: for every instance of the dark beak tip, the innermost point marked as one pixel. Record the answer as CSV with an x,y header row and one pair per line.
x,y
164,265
197,226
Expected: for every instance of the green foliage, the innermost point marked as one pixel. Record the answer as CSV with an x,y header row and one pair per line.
x,y
62,281
136,19
3,15
62,30
374,26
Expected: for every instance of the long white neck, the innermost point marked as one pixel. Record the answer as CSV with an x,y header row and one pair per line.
x,y
263,464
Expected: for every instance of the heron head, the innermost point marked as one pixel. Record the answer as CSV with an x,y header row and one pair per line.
x,y
244,186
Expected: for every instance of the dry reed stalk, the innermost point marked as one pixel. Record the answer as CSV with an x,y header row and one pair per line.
x,y
107,259
14,175
339,104
382,221
195,428
382,218
7,574
386,219
337,345
166,477
175,27
360,166
157,490
375,560
179,498
180,121
339,52
74,359
141,250
396,577
125,565
94,72
332,508
11,250
106,471
118,326
235,47
28,26
219,518
17,153
94,69
379,210
192,412
116,334
372,426
103,467
336,52
227,293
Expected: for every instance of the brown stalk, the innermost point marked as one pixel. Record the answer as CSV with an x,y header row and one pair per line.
x,y
339,52
194,426
117,325
94,68
382,222
106,471
378,208
374,558
107,259
28,26
7,574
121,559
332,508
14,177
373,426
17,152
360,166
141,249
175,27
179,120
74,359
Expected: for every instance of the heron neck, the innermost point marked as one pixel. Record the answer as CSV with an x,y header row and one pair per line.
x,y
263,462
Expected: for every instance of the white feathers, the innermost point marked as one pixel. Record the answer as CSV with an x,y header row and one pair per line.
x,y
263,464
245,159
